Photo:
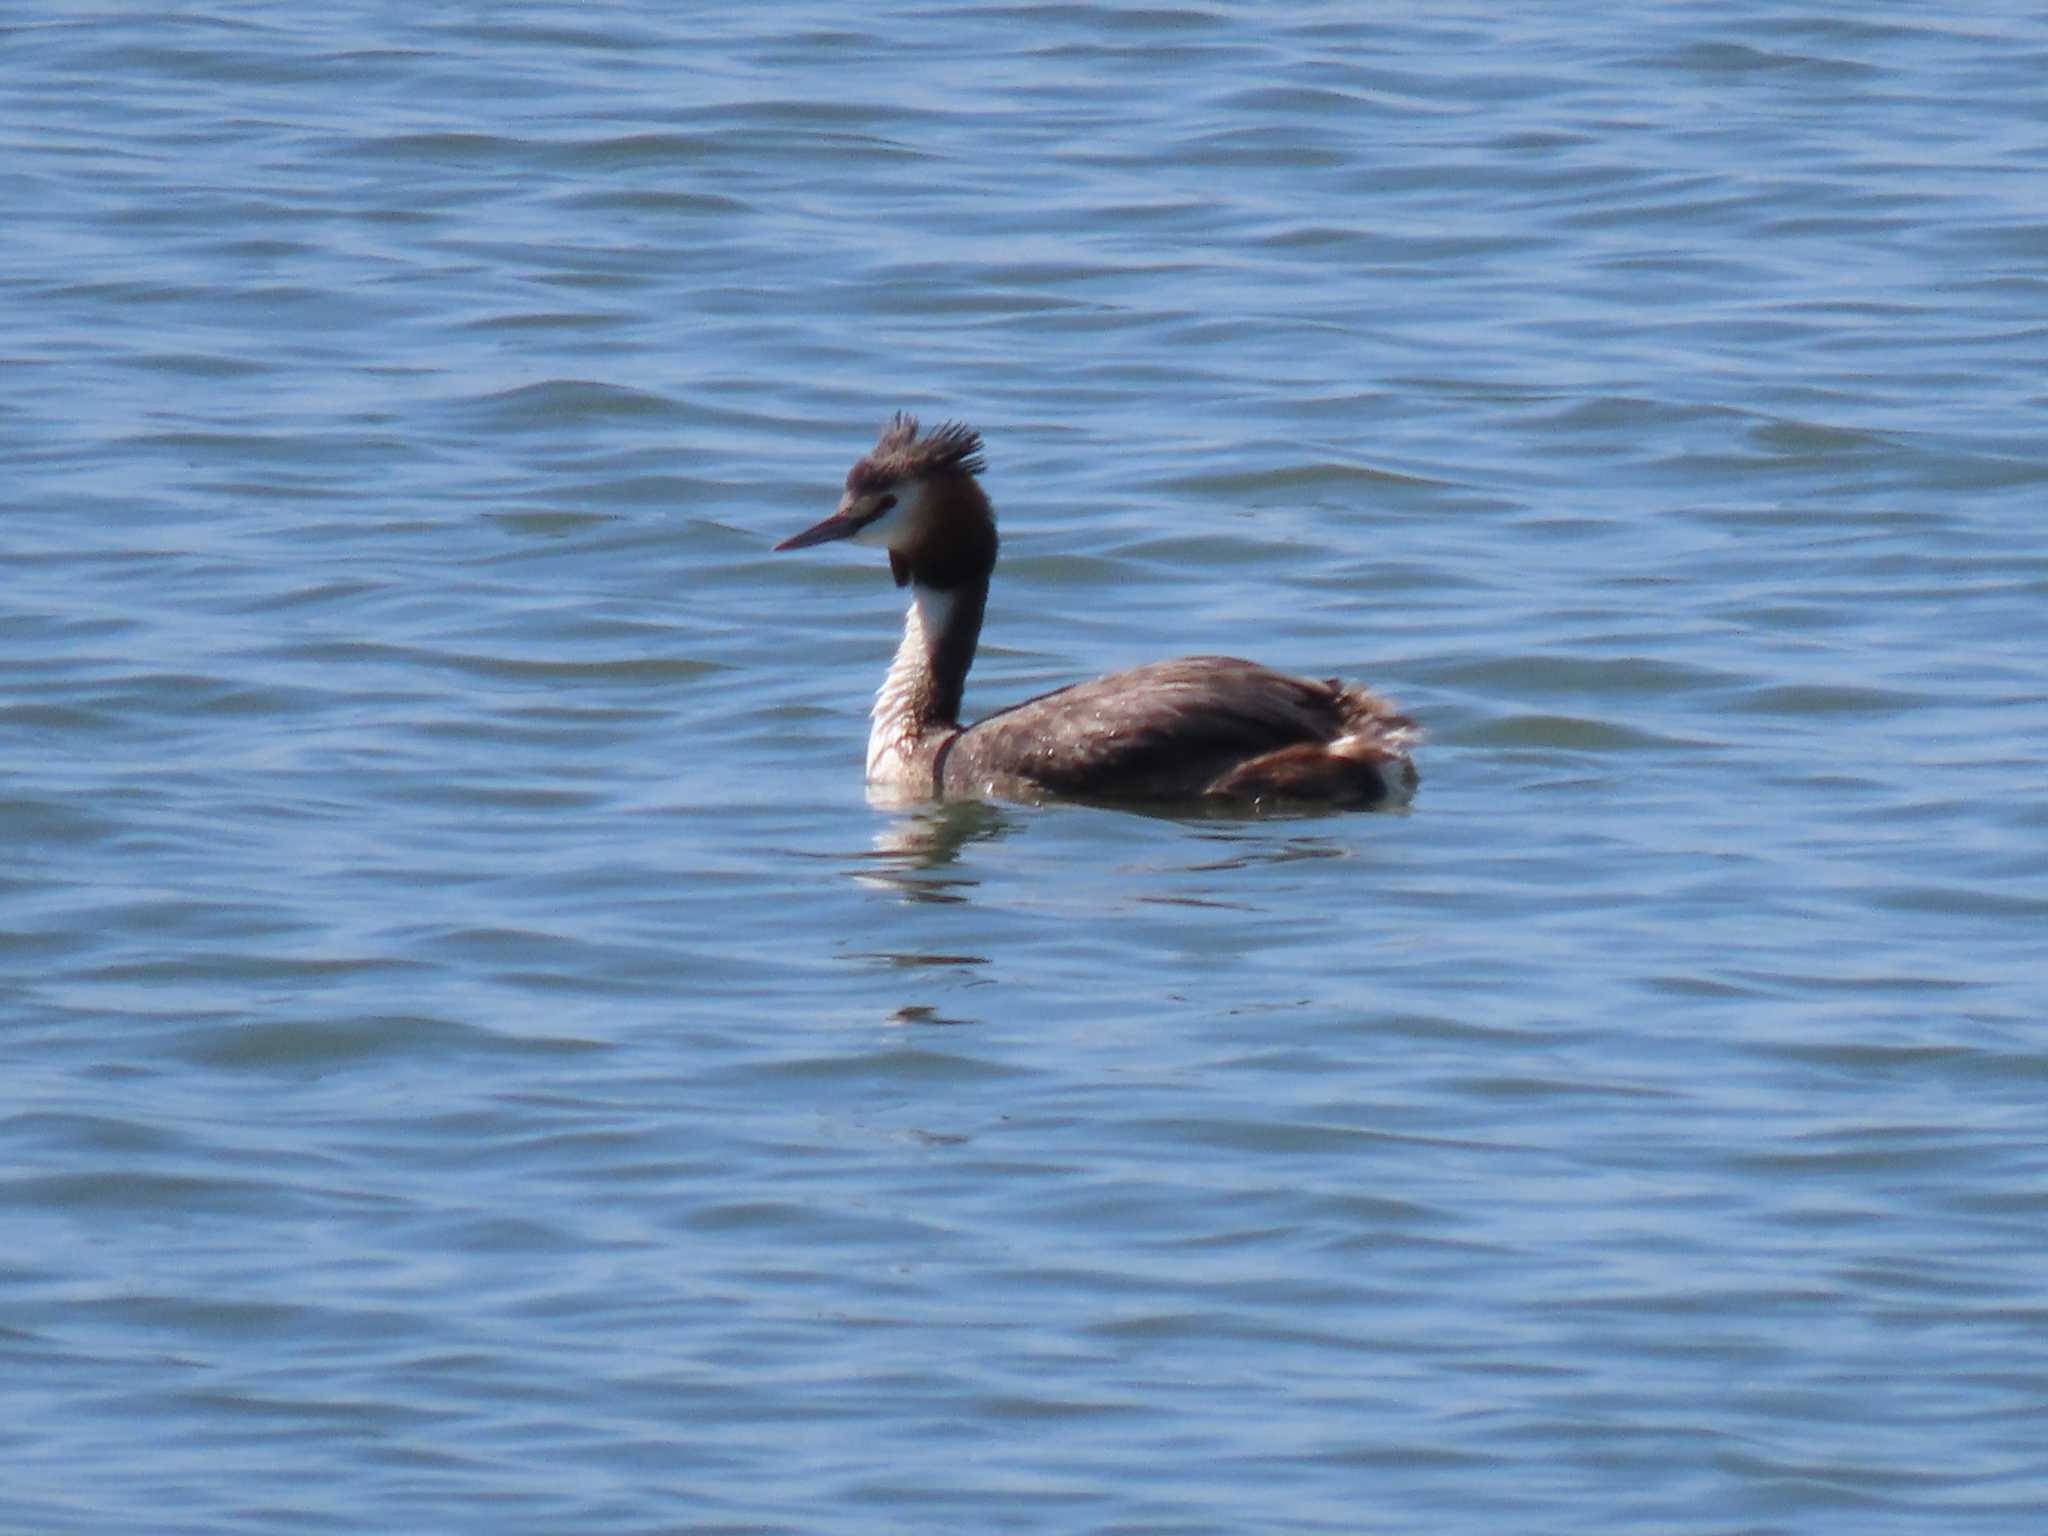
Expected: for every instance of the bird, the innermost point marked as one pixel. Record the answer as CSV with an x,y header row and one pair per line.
x,y
1213,730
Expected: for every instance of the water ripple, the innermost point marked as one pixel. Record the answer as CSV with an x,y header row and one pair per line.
x,y
476,1060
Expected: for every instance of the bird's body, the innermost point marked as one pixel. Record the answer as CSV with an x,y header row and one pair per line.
x,y
1197,728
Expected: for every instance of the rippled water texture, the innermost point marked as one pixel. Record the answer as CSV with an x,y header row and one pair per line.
x,y
475,1061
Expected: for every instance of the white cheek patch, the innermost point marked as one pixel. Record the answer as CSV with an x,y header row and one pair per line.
x,y
892,529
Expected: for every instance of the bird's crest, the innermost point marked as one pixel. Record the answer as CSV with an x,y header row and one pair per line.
x,y
900,454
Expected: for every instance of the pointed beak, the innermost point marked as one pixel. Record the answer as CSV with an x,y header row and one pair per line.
x,y
842,524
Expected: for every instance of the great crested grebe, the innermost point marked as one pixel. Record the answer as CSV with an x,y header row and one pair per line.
x,y
1209,728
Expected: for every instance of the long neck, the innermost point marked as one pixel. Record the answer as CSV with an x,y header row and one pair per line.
x,y
947,568
920,698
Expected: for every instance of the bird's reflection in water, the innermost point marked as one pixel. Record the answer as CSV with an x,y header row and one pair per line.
x,y
912,1014
915,853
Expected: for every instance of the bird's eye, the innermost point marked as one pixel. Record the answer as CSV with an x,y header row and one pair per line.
x,y
887,503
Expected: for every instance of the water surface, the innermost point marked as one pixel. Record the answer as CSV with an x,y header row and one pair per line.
x,y
474,1059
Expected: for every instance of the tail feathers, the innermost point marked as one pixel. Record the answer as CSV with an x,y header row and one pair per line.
x,y
1365,763
1368,716
1358,769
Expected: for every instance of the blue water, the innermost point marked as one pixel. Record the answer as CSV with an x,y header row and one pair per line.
x,y
473,1060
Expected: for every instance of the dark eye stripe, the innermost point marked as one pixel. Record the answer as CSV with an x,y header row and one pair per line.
x,y
874,513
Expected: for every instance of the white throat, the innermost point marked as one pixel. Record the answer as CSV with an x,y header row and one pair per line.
x,y
896,729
